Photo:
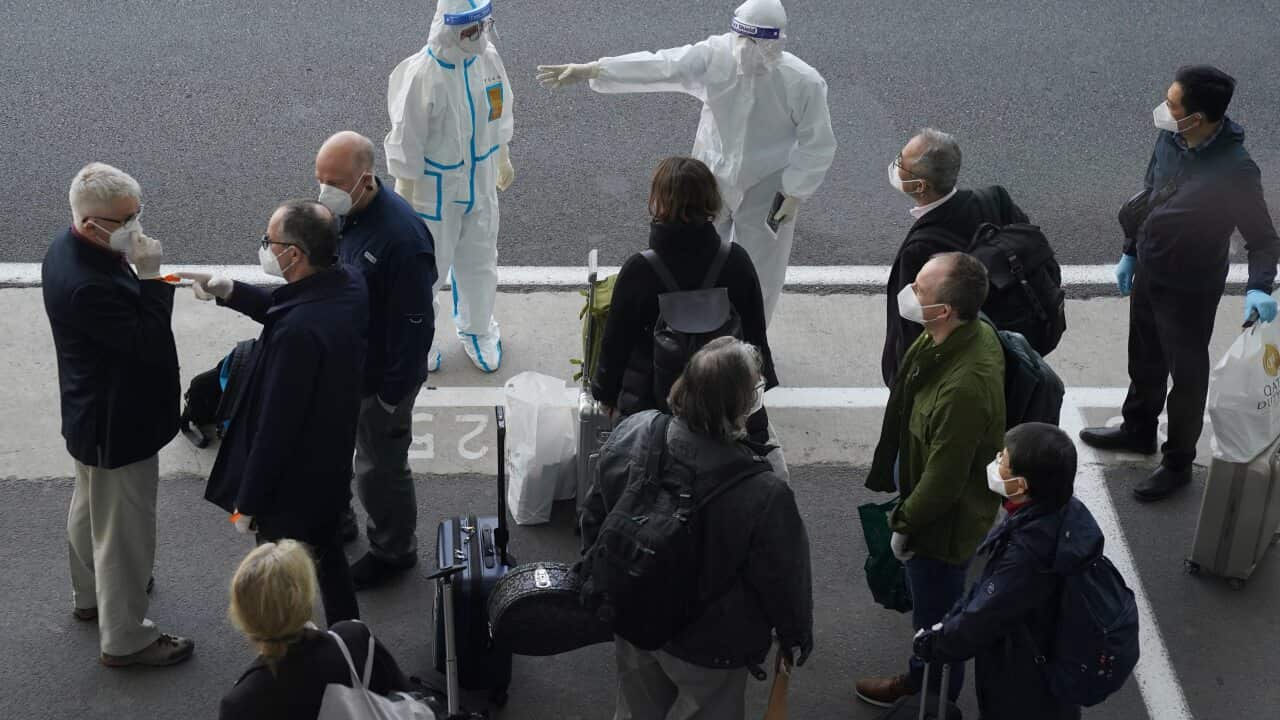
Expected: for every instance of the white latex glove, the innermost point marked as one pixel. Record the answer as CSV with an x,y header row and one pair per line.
x,y
899,546
787,210
506,171
554,77
244,523
207,287
145,253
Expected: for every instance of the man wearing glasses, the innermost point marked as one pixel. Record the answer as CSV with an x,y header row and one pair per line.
x,y
284,468
926,171
118,377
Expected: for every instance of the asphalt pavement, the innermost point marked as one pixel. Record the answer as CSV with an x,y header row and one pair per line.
x,y
218,109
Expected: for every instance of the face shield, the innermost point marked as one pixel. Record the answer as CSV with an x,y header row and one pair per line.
x,y
756,48
469,31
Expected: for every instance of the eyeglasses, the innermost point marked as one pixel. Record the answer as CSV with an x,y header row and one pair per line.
x,y
123,222
268,241
472,32
897,162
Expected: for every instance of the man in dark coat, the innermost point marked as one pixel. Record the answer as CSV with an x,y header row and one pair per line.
x,y
118,377
1203,186
1047,534
385,241
945,221
284,468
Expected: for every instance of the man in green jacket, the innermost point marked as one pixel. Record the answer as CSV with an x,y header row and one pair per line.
x,y
944,423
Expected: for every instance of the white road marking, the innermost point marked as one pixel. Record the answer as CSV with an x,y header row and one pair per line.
x,y
855,276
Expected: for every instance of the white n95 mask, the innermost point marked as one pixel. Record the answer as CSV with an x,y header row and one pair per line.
x,y
270,263
901,185
121,239
335,198
994,481
1164,120
909,306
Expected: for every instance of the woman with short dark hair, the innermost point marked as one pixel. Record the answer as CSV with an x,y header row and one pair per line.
x,y
1047,533
753,548
683,204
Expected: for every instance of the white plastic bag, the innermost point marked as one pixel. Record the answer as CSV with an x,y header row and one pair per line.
x,y
1244,395
541,445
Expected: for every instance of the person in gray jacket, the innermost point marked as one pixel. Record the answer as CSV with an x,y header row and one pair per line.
x,y
754,547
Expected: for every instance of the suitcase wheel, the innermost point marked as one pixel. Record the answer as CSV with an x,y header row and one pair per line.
x,y
1191,567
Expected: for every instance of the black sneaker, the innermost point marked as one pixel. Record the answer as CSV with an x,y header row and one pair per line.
x,y
1117,438
371,571
1161,484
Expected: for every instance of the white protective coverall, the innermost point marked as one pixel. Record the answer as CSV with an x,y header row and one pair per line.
x,y
451,120
763,131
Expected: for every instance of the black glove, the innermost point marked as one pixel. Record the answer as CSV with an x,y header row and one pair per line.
x,y
923,644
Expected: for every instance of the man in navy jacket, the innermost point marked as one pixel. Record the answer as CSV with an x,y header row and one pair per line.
x,y
384,240
285,463
118,377
1203,186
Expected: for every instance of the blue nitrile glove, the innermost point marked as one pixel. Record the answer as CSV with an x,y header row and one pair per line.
x,y
1124,273
1261,303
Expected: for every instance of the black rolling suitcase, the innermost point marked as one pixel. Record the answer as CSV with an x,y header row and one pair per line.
x,y
922,707
479,543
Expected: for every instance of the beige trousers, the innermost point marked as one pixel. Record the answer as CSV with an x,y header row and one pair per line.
x,y
659,686
111,534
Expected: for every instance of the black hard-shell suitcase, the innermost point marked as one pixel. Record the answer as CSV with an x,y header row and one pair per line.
x,y
922,707
479,542
536,609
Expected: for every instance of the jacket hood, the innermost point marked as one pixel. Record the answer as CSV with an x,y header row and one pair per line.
x,y
1064,541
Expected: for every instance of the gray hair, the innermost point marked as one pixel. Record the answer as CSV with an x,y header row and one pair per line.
x,y
939,164
96,186
716,392
965,285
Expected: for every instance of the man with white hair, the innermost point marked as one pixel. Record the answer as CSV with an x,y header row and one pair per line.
x,y
765,130
118,375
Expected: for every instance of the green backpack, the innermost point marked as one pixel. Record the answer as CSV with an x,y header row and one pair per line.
x,y
594,315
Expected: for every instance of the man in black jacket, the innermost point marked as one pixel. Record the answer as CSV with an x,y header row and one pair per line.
x,y
118,377
284,468
1203,186
386,241
945,220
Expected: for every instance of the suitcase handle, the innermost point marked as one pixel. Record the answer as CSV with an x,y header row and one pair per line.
x,y
501,534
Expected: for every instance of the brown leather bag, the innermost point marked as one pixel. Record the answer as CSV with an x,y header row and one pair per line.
x,y
777,709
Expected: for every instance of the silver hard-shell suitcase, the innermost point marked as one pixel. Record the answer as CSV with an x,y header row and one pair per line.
x,y
594,424
1239,517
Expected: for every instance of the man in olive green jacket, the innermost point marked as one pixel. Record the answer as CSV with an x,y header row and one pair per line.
x,y
944,423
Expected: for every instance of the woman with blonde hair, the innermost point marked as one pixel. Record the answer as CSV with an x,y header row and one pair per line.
x,y
273,594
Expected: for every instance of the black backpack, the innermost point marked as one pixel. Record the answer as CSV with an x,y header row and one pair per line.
x,y
641,574
1033,392
1095,642
688,320
1026,294
212,396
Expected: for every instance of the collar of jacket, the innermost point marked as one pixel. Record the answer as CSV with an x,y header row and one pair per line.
x,y
373,209
926,358
941,215
95,252
323,284
704,455
1063,540
1227,134
682,238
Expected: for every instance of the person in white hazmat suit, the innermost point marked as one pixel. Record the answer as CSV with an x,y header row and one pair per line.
x,y
450,108
765,129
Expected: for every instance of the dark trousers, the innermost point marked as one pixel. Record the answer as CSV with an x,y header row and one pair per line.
x,y
1169,332
384,482
936,586
337,593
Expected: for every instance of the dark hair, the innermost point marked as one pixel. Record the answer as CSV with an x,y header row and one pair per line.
x,y
311,225
715,393
683,191
964,287
1205,89
1046,457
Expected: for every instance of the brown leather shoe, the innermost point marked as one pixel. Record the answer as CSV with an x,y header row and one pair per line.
x,y
166,650
883,692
